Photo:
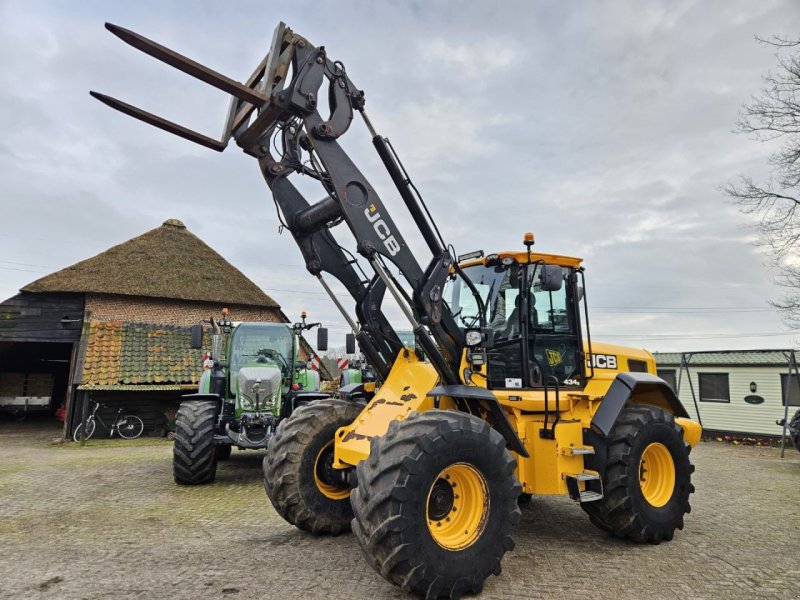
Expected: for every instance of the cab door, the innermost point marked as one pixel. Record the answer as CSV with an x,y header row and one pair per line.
x,y
552,330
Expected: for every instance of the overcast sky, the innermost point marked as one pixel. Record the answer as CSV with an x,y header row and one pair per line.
x,y
605,127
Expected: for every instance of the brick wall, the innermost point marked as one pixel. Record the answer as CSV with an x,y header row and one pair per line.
x,y
182,313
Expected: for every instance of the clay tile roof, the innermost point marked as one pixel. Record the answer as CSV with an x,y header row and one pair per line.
x,y
122,354
166,262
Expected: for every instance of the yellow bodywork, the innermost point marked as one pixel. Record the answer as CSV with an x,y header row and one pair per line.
x,y
551,460
404,391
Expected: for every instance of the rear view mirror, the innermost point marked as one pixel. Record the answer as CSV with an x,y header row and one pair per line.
x,y
350,343
551,277
576,284
322,339
197,336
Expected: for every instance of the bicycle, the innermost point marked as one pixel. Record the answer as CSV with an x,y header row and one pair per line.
x,y
127,425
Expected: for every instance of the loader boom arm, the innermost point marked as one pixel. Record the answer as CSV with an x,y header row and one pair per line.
x,y
278,107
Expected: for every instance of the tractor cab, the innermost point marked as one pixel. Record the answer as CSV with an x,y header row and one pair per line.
x,y
528,320
261,358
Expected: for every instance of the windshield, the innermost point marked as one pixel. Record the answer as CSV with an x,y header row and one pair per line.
x,y
250,340
497,286
552,345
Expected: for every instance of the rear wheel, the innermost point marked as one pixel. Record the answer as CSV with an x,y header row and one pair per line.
x,y
194,459
647,482
130,427
436,503
298,468
794,430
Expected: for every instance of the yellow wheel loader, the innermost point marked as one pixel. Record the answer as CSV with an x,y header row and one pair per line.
x,y
504,395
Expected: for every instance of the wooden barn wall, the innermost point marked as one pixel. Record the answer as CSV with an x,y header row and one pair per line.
x,y
148,406
42,318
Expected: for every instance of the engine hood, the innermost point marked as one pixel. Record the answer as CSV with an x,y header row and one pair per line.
x,y
265,380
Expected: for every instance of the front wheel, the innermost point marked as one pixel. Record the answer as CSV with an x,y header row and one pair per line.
x,y
298,469
130,427
90,426
436,503
193,458
647,479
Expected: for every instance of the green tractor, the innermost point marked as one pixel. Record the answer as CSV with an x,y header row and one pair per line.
x,y
252,379
358,381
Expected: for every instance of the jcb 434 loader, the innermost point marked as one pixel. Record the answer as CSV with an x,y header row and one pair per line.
x,y
512,397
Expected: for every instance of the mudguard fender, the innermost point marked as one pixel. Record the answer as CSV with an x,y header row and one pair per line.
x,y
479,400
203,397
644,388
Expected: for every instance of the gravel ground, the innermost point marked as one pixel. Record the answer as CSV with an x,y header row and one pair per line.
x,y
106,521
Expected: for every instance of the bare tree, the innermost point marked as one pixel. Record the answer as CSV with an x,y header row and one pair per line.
x,y
774,117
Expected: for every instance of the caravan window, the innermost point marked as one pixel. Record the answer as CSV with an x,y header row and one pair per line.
x,y
794,391
714,387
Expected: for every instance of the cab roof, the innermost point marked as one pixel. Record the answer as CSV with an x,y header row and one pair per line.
x,y
522,257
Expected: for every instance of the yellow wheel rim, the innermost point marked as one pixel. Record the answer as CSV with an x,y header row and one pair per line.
x,y
657,474
326,489
457,506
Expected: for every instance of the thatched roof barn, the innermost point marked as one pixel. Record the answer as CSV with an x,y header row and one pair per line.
x,y
115,326
166,262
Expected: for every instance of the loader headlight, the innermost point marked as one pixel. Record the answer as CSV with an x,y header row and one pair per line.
x,y
473,337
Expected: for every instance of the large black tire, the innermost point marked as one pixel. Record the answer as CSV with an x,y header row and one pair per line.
x,y
625,511
302,444
398,521
223,451
194,456
794,430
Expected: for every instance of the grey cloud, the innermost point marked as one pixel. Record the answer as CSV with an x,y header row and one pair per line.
x,y
604,127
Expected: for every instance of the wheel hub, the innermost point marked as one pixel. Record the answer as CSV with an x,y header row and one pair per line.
x,y
324,476
441,500
657,474
458,506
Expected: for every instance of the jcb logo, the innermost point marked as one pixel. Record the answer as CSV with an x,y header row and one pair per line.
x,y
603,361
374,217
553,357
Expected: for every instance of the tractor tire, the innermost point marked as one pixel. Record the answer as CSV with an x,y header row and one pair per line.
x,y
194,455
223,451
298,455
647,479
436,503
794,430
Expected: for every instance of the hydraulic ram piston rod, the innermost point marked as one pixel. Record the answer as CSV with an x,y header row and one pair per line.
x,y
338,304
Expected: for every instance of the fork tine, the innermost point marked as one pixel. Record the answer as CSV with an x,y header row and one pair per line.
x,y
188,66
156,121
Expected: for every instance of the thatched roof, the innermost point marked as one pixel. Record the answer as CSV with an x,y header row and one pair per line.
x,y
166,262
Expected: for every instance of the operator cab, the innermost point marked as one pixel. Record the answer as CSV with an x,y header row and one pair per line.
x,y
531,318
259,343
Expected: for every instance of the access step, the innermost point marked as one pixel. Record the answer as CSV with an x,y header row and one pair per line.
x,y
577,450
593,486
